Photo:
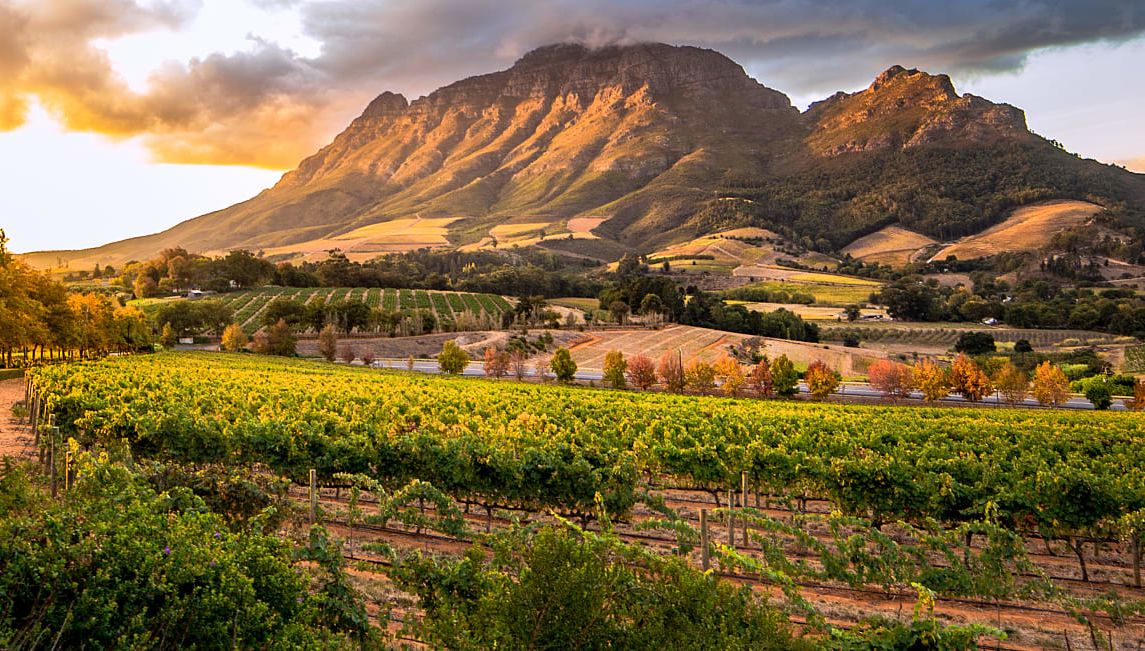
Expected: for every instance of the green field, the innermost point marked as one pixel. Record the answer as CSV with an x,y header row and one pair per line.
x,y
825,294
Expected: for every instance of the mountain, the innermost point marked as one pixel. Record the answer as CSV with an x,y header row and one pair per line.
x,y
594,151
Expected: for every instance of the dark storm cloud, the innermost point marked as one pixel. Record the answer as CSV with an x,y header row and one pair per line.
x,y
797,45
234,108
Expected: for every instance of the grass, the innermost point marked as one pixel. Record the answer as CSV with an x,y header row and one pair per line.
x,y
834,279
1027,229
576,303
833,295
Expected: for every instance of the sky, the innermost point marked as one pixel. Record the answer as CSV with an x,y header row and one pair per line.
x,y
124,117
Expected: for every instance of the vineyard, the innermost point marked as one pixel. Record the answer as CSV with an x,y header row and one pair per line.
x,y
447,307
1035,513
946,335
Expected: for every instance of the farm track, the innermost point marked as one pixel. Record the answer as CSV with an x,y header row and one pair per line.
x,y
15,435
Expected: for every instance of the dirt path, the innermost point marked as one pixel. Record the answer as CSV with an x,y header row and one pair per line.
x,y
15,437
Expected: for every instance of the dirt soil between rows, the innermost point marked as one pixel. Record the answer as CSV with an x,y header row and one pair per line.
x,y
15,436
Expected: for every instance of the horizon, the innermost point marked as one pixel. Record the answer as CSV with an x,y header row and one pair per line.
x,y
180,107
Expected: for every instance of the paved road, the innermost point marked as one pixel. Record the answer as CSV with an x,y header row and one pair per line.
x,y
476,369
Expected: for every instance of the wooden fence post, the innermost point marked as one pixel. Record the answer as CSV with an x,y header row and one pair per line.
x,y
55,431
313,495
731,519
743,502
705,561
1135,549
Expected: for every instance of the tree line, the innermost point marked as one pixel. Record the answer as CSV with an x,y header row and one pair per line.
x,y
41,321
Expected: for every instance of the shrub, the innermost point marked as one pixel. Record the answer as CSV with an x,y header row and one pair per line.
x,y
784,378
893,379
975,343
328,342
452,359
822,381
641,372
614,367
564,368
234,339
1099,395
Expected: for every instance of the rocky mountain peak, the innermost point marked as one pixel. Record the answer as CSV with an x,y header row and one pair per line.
x,y
906,107
386,105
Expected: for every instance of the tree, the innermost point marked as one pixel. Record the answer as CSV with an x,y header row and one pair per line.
x,y
1012,383
328,342
1138,402
968,379
452,359
518,360
730,375
822,380
541,368
280,340
641,372
651,304
167,337
1050,385
671,371
852,312
145,286
760,379
932,380
975,343
496,363
893,379
700,376
234,339
564,368
614,367
1098,393
349,354
784,378
619,311
1022,346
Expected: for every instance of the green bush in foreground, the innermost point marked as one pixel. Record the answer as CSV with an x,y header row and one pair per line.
x,y
116,565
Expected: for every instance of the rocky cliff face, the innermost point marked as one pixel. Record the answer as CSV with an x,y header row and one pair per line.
x,y
908,108
637,135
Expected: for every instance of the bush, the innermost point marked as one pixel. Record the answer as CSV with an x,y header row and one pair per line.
x,y
452,359
975,343
1099,395
564,368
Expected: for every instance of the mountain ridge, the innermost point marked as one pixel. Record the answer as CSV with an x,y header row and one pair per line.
x,y
641,135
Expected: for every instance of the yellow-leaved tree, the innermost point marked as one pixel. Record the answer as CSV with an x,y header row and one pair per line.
x,y
1050,385
234,339
932,380
968,380
730,375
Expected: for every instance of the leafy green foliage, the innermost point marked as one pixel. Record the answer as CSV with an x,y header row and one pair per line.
x,y
565,588
119,565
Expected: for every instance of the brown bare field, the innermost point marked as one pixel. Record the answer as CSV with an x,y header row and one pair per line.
x,y
729,248
1027,229
710,345
892,245
395,236
534,232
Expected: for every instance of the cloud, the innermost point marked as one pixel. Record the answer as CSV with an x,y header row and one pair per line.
x,y
269,106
